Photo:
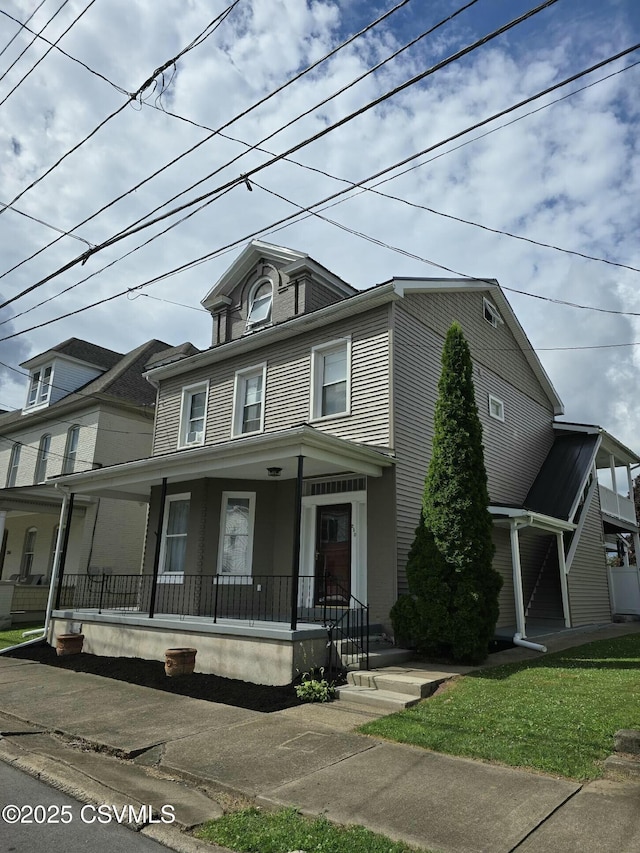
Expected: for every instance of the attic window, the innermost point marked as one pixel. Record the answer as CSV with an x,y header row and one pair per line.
x,y
40,386
260,299
491,314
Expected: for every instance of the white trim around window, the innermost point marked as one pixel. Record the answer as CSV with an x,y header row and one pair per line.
x,y
193,414
248,400
40,386
331,379
173,546
496,408
259,304
235,548
491,313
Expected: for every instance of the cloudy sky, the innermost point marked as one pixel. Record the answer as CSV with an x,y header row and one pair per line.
x,y
565,174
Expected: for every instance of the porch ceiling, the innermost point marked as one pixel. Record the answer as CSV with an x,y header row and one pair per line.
x,y
27,500
242,459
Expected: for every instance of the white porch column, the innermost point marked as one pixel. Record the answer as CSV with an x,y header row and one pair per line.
x,y
612,467
563,580
636,548
518,594
56,557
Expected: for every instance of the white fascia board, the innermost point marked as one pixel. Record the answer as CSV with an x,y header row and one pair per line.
x,y
361,301
243,264
405,286
534,519
608,442
203,461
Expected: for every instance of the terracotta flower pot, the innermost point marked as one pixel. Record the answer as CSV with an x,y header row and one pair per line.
x,y
69,644
179,661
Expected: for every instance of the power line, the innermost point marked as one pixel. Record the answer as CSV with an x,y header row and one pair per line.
x,y
242,179
238,116
148,82
48,51
21,27
59,49
283,222
46,224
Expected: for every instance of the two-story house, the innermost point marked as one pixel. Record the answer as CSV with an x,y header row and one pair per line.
x,y
86,407
288,464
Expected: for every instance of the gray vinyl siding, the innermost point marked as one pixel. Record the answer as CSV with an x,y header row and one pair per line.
x,y
69,376
587,580
288,386
494,348
502,564
514,450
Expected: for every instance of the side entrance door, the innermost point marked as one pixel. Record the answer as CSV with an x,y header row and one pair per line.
x,y
333,555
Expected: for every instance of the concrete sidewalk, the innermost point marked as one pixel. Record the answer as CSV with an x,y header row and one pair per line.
x,y
161,748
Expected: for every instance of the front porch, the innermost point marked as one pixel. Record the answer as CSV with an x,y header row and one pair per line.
x,y
225,524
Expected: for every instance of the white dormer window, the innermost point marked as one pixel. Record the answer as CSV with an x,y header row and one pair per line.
x,y
491,314
40,386
260,301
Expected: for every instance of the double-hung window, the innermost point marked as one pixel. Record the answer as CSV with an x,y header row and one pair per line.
x,y
248,402
43,459
71,450
174,535
331,379
193,415
235,554
40,386
491,313
14,462
28,552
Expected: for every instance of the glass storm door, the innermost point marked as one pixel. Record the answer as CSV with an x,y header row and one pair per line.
x,y
333,555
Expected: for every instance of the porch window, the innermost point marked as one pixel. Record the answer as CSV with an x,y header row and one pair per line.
x,y
260,301
39,386
331,379
42,460
236,534
248,407
193,415
14,462
71,450
28,552
496,408
174,534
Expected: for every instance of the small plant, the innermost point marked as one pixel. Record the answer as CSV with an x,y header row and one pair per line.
x,y
314,687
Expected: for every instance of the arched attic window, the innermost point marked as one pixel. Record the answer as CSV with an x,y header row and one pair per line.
x,y
260,301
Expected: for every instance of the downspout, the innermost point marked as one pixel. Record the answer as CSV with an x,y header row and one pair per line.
x,y
519,636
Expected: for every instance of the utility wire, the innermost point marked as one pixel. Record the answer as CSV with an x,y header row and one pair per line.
x,y
329,201
289,219
48,51
21,27
243,179
213,133
372,189
46,224
133,96
59,49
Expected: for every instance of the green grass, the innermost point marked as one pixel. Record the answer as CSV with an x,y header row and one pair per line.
x,y
14,635
557,713
255,831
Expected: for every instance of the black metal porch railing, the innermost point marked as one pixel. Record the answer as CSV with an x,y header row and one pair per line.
x,y
259,598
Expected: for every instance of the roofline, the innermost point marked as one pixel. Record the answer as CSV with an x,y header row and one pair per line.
x,y
302,440
57,411
593,429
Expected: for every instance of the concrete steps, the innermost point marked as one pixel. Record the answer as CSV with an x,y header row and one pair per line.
x,y
392,688
625,762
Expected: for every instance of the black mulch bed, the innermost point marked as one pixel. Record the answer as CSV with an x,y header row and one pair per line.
x,y
150,673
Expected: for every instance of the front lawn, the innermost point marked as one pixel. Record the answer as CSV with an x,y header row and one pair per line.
x,y
557,713
14,635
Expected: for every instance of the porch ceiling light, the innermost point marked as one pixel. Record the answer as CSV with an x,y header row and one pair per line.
x,y
274,472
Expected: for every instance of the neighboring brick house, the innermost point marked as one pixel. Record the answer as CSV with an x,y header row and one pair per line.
x,y
86,407
288,464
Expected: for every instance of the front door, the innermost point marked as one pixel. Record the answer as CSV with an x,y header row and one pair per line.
x,y
333,555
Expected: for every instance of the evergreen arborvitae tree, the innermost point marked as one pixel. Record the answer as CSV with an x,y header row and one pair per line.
x,y
453,604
